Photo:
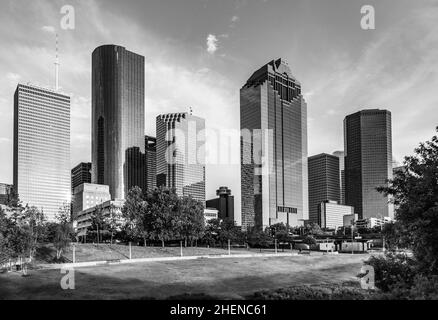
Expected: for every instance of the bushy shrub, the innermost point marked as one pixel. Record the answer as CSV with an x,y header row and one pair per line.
x,y
393,270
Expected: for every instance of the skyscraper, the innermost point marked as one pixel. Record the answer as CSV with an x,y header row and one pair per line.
x,y
368,162
181,154
80,174
151,162
42,148
273,120
118,119
323,182
341,156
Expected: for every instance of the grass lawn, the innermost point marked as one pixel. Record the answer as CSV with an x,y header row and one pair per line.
x,y
231,278
103,252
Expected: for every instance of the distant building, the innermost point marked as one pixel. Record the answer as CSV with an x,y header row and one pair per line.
x,y
118,119
180,144
331,214
323,182
350,219
373,222
341,156
42,175
83,220
273,121
89,195
151,162
224,204
80,174
5,190
210,214
368,162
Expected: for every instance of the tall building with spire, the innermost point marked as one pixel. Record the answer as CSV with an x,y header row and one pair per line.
x,y
368,162
118,119
42,148
181,154
273,120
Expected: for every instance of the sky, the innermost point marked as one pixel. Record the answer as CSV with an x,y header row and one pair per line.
x,y
199,53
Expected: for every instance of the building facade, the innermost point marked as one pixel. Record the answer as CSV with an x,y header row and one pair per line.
x,y
273,121
89,195
323,182
224,204
368,162
118,119
80,174
331,214
5,191
181,155
83,220
151,162
341,156
42,148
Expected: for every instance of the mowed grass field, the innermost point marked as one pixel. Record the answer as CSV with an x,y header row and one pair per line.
x,y
103,252
230,278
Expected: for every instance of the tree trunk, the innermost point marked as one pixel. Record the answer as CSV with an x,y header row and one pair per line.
x,y
185,242
162,243
145,244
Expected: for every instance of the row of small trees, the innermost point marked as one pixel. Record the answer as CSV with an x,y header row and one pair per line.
x,y
26,227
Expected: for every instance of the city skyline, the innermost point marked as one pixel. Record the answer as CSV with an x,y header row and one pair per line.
x,y
224,67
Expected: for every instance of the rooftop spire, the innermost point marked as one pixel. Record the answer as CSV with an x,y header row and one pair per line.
x,y
57,66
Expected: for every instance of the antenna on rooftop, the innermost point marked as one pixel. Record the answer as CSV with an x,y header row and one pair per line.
x,y
57,66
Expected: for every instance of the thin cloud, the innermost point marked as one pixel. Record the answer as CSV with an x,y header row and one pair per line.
x,y
48,29
212,44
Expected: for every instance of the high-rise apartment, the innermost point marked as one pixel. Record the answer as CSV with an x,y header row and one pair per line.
x,y
181,154
151,162
118,119
42,148
341,156
323,182
368,162
80,174
273,120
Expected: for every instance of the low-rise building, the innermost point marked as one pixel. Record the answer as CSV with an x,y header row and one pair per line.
x,y
373,222
331,214
83,219
210,214
350,219
88,195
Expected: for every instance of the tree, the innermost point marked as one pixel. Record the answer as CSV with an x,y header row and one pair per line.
x,y
98,222
189,222
212,229
34,223
63,230
313,229
414,192
135,212
112,221
228,231
259,239
163,207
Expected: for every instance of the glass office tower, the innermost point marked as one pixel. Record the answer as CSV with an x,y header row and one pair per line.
x,y
341,156
42,148
118,119
273,120
368,162
151,162
181,154
323,182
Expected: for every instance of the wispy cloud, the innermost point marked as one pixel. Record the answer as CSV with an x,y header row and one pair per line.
x,y
48,29
212,43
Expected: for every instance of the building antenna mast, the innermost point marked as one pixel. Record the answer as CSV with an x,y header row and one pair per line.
x,y
57,66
